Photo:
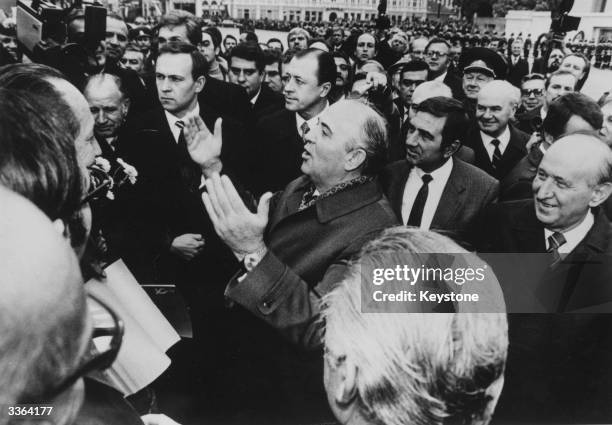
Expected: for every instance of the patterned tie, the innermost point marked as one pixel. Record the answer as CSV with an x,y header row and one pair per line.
x,y
416,214
304,128
554,242
497,155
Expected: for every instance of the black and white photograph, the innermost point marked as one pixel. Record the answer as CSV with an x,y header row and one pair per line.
x,y
305,212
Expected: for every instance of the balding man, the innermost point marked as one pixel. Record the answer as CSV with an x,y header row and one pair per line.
x,y
337,203
109,105
497,145
565,225
43,320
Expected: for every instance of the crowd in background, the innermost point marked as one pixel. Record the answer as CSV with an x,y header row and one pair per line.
x,y
265,179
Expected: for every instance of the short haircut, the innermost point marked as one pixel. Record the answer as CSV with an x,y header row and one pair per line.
x,y
101,78
229,36
273,57
248,51
415,65
37,154
557,73
177,18
276,40
215,35
453,110
568,105
419,368
437,40
373,138
326,72
199,65
298,30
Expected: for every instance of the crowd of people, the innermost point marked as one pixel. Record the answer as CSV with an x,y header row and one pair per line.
x,y
268,181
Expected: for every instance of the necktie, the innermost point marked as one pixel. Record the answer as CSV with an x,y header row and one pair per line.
x,y
554,242
497,155
416,213
190,172
304,128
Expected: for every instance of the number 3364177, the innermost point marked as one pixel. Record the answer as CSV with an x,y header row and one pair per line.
x,y
29,410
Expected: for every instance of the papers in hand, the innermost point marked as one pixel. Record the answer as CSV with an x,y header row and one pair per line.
x,y
148,335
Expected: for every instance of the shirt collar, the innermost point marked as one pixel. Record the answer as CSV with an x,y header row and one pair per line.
x,y
503,138
172,119
311,122
574,236
254,99
439,174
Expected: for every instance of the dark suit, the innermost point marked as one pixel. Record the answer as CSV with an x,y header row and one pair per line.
x,y
515,150
308,255
278,153
558,368
467,193
267,102
517,71
517,183
529,121
226,99
455,83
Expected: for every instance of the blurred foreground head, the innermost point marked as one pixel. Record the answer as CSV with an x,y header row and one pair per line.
x,y
43,326
409,368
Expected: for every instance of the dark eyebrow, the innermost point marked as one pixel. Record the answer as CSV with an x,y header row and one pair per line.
x,y
326,127
426,133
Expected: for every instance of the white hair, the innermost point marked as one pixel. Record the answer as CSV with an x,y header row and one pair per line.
x,y
432,89
416,368
503,89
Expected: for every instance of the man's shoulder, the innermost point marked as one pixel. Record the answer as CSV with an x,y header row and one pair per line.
x,y
473,174
274,118
512,213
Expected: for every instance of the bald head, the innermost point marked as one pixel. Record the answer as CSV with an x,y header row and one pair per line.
x,y
501,89
574,176
427,90
42,304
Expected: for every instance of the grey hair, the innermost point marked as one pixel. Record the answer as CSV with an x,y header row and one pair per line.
x,y
416,368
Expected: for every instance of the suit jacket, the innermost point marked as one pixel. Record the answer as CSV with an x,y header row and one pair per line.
x,y
552,355
267,102
279,152
517,184
514,152
467,193
518,71
226,99
529,121
455,83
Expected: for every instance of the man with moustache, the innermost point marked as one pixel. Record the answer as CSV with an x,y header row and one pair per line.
x,y
309,78
344,77
497,145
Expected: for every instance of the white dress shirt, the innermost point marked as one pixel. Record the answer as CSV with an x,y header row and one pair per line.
x,y
311,122
503,138
254,98
172,119
436,187
574,236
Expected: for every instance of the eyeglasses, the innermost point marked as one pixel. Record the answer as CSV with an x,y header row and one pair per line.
x,y
100,354
534,92
432,54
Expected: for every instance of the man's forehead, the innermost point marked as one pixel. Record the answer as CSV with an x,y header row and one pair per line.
x,y
488,97
428,122
206,37
242,63
304,67
533,84
115,25
366,38
174,63
438,46
414,74
564,80
131,54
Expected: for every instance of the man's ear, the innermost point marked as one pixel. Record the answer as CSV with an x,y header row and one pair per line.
x,y
125,107
60,226
355,159
601,192
346,391
200,82
325,89
451,149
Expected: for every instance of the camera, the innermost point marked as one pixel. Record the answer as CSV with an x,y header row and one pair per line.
x,y
44,37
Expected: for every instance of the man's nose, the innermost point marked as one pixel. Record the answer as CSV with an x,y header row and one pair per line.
x,y
411,139
101,117
543,189
165,86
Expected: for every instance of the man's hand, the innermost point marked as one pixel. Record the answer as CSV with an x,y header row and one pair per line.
x,y
187,246
204,147
535,138
376,79
240,229
158,419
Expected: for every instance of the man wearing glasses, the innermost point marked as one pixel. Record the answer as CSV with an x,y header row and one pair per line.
x,y
413,74
532,92
438,59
